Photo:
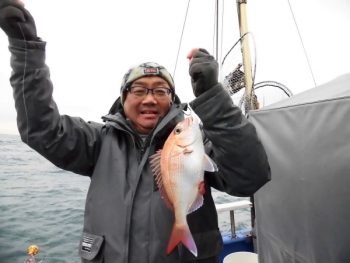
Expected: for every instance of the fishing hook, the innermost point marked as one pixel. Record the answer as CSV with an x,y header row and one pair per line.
x,y
188,107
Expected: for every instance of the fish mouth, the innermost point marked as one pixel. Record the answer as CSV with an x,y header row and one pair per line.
x,y
188,137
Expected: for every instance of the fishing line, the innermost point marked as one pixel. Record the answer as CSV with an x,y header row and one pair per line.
x,y
24,73
302,43
183,29
188,108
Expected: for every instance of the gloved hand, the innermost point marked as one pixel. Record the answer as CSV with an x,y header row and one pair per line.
x,y
203,71
16,21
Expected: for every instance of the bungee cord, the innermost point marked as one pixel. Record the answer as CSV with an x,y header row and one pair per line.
x,y
24,73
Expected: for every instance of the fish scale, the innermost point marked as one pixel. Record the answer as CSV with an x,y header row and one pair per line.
x,y
179,172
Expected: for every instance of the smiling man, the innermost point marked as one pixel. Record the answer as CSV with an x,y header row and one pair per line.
x,y
126,219
147,92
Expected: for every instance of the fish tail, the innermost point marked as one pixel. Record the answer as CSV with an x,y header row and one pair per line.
x,y
181,233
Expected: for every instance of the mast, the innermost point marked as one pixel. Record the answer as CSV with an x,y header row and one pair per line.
x,y
216,34
250,105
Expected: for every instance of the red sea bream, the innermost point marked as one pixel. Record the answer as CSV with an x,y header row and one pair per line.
x,y
179,171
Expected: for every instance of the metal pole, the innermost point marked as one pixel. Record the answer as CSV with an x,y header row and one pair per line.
x,y
246,53
233,224
217,30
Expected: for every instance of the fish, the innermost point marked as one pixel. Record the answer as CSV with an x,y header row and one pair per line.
x,y
179,173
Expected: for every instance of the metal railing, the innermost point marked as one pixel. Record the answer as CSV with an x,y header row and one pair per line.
x,y
232,207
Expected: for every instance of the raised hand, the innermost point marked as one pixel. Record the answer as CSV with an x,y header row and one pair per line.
x,y
203,71
16,21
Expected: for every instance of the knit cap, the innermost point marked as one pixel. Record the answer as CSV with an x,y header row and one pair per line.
x,y
144,70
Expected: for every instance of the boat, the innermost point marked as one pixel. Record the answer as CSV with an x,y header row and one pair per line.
x,y
236,241
282,250
308,155
302,213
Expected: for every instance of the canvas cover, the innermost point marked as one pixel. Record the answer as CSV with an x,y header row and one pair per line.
x,y
303,213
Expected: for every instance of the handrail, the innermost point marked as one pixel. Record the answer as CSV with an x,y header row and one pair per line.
x,y
232,207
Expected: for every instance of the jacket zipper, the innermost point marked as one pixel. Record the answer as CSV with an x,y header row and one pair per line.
x,y
127,225
142,152
133,136
143,147
144,144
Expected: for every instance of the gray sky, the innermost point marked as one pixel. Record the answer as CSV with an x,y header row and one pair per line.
x,y
90,46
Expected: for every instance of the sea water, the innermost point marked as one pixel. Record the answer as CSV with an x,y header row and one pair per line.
x,y
43,205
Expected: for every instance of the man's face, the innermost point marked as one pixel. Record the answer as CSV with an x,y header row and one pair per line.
x,y
145,111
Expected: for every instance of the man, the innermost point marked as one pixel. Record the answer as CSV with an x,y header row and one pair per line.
x,y
126,219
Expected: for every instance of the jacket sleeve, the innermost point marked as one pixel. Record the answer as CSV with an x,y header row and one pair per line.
x,y
232,142
68,142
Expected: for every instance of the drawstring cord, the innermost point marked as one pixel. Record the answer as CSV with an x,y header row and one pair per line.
x,y
24,73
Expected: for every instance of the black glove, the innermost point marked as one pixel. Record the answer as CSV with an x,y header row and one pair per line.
x,y
203,71
16,21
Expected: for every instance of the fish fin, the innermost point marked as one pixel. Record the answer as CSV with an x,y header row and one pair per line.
x,y
187,150
209,165
201,188
155,159
156,156
182,234
155,164
166,199
196,204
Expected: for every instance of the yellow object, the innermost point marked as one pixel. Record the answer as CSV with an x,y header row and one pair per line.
x,y
33,250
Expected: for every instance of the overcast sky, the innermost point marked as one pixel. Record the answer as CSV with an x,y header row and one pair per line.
x,y
90,45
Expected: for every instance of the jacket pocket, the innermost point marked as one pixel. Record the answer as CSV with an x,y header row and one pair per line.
x,y
209,244
91,248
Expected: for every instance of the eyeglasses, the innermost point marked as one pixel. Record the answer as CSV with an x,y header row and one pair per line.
x,y
142,92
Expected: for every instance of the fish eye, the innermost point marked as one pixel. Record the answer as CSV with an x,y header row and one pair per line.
x,y
178,130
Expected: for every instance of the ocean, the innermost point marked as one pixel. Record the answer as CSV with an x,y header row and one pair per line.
x,y
43,205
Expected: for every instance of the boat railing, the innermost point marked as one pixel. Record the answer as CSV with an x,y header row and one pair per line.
x,y
231,207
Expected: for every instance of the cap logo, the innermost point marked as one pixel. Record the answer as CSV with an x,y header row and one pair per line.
x,y
150,71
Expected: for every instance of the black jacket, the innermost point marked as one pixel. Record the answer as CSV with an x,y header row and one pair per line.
x,y
126,219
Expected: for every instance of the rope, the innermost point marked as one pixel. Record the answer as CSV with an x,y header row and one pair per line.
x,y
222,30
183,29
302,43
